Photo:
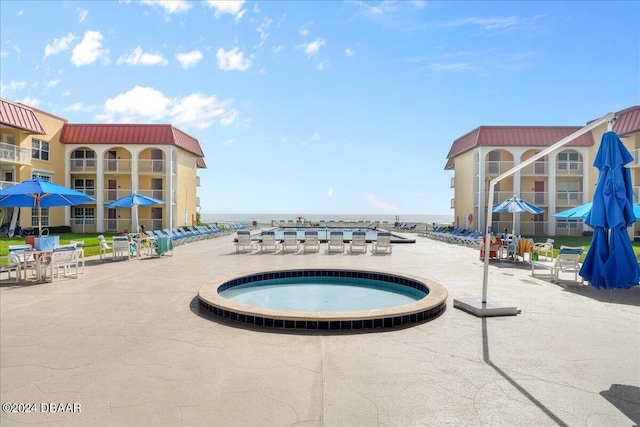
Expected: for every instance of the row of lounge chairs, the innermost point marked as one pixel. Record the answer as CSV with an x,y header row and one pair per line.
x,y
239,225
471,238
311,243
181,235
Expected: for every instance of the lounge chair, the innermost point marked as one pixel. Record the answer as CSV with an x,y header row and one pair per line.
x,y
28,259
121,248
382,244
269,242
104,246
290,242
358,242
9,263
336,242
80,249
63,257
243,241
566,262
311,242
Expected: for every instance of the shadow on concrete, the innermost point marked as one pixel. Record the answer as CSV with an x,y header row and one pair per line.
x,y
514,383
626,398
613,296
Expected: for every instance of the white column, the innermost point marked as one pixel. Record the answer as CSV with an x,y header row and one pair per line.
x,y
552,194
99,188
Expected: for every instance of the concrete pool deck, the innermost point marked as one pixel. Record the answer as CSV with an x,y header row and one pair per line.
x,y
128,342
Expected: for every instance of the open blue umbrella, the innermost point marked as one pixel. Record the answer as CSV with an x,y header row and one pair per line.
x,y
516,205
37,193
581,212
132,201
611,262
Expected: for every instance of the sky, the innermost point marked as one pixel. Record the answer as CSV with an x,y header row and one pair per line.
x,y
323,107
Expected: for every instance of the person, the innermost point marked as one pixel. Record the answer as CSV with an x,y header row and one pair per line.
x,y
126,233
142,233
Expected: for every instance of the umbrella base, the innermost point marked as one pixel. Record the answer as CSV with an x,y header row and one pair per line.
x,y
475,306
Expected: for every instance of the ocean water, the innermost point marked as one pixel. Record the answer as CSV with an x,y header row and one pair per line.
x,y
267,218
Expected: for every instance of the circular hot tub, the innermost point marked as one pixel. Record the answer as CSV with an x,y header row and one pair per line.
x,y
324,299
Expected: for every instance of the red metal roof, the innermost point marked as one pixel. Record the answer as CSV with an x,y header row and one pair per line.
x,y
114,134
19,116
627,121
200,163
515,136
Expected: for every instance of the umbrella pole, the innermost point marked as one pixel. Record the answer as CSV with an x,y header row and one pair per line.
x,y
39,216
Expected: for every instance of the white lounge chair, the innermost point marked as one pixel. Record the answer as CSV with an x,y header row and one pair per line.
x,y
104,246
9,263
27,259
243,242
311,242
358,242
290,242
63,257
336,242
80,249
545,249
269,242
382,245
120,248
566,262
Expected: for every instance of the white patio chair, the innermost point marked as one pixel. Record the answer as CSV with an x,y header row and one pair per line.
x,y
120,248
336,242
104,246
269,242
244,243
545,249
311,242
27,259
382,245
80,249
290,242
566,262
9,263
358,242
63,257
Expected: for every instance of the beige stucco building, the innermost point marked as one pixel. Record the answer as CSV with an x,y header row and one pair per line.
x,y
559,181
105,161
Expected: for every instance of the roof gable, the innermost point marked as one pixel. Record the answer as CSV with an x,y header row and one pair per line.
x,y
20,117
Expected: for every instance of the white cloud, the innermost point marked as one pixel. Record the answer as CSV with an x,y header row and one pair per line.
x,y
149,104
321,66
169,6
231,7
31,102
232,60
82,14
262,29
312,138
79,107
330,192
89,50
137,57
20,12
13,86
229,142
59,45
3,53
383,206
66,93
304,32
277,49
349,52
314,47
189,59
51,83
486,23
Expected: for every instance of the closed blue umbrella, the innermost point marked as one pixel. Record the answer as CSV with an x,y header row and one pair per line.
x,y
516,205
132,201
37,193
611,262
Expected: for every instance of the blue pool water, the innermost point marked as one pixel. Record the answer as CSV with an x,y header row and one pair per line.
x,y
322,294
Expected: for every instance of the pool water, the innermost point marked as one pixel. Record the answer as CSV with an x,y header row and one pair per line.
x,y
320,294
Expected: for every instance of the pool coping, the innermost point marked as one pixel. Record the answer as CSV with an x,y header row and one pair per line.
x,y
424,309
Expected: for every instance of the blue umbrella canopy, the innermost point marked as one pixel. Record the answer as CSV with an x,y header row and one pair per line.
x,y
611,262
581,212
516,205
37,193
132,201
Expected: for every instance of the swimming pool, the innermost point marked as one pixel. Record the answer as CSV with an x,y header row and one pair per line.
x,y
323,232
308,304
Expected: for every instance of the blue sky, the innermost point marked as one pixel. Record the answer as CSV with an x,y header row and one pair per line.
x,y
323,107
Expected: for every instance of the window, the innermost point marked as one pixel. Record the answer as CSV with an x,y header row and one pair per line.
x,y
87,186
39,149
44,212
568,161
81,159
86,216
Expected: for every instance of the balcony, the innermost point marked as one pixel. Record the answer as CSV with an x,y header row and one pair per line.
x,y
568,199
7,184
91,192
453,203
636,194
14,154
538,198
636,158
151,166
156,194
83,165
569,168
535,169
497,167
117,165
197,202
115,194
197,181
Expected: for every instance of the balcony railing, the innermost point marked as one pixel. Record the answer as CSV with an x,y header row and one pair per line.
x,y
151,166
197,181
83,165
453,183
117,165
569,168
14,154
197,202
115,194
453,203
6,184
497,167
636,158
156,194
536,168
538,198
91,192
568,198
636,194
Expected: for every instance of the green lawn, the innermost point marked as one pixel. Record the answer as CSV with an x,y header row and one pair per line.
x,y
91,243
